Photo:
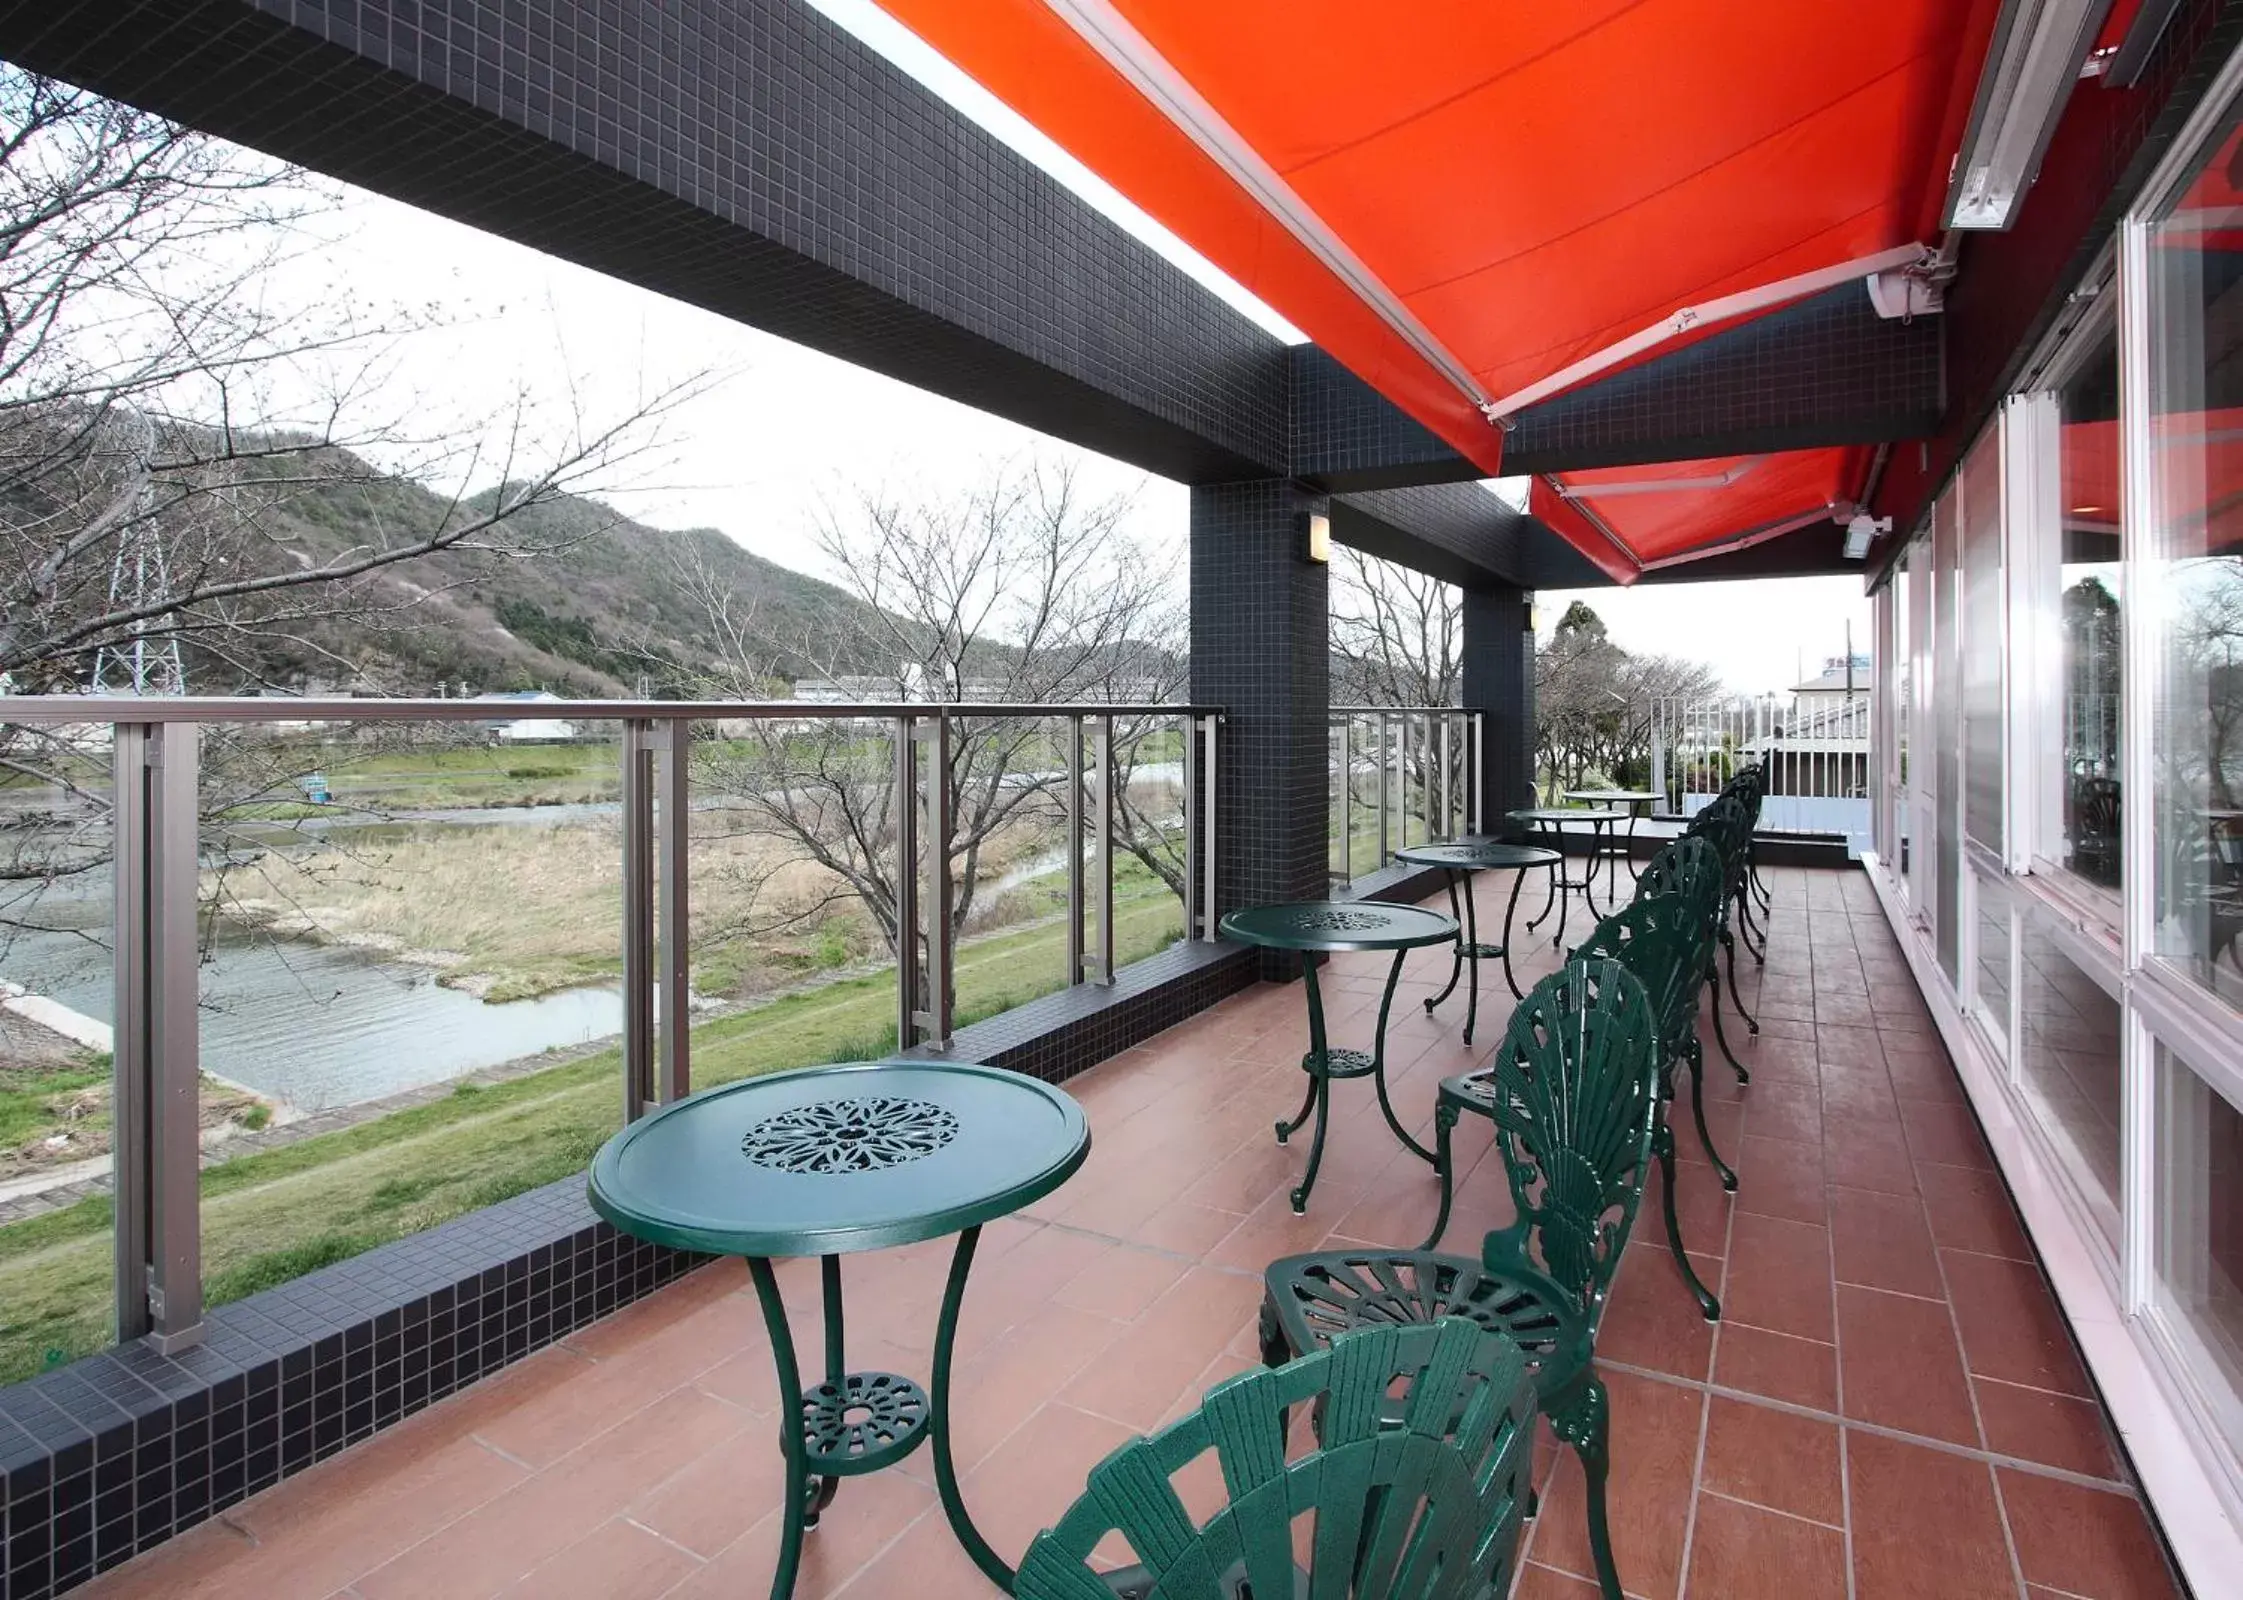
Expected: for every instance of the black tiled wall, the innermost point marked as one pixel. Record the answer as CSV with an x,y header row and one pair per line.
x,y
1828,370
1261,648
1499,679
115,1453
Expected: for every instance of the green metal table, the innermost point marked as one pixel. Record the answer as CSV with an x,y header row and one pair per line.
x,y
1458,860
1623,849
1551,821
829,1160
1325,926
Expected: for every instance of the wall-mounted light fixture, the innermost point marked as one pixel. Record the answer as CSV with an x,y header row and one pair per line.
x,y
2030,72
1319,537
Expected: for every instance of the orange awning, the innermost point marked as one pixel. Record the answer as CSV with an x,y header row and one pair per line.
x,y
1460,200
1658,513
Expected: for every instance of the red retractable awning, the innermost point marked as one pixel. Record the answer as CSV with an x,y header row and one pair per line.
x,y
1460,200
1662,512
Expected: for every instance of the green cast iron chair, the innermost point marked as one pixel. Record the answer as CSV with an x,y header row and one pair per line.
x,y
1752,785
1418,1481
1663,940
1748,787
1573,1090
1723,822
1691,867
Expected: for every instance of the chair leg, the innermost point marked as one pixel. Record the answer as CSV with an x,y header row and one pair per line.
x,y
1752,1023
1697,1061
1592,1443
1708,1306
1444,1124
1276,1348
1722,1038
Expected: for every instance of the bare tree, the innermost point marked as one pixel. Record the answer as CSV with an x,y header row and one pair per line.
x,y
167,411
1595,703
1397,634
161,405
1023,590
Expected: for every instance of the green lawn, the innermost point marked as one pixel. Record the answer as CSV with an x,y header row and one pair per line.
x,y
272,1216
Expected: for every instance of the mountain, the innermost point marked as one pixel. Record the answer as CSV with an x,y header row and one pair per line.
x,y
609,607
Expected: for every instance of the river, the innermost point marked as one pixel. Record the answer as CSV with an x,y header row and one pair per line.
x,y
314,1025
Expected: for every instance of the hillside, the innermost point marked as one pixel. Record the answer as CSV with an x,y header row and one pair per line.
x,y
610,608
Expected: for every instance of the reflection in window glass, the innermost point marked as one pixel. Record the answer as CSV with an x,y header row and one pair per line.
x,y
1990,994
2068,1061
2195,550
1945,730
2200,1226
1982,643
2088,611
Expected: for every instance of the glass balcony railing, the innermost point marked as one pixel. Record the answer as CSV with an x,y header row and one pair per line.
x,y
365,965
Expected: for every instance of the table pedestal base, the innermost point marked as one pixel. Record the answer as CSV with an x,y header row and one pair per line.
x,y
860,1422
1323,1064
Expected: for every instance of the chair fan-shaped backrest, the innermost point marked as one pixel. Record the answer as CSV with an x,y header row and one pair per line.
x,y
1416,1497
1748,788
1689,866
1727,825
1575,1085
1663,939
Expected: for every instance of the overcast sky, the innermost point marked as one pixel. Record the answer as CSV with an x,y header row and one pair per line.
x,y
784,428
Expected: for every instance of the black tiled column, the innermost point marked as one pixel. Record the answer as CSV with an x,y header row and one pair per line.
x,y
1261,649
1499,682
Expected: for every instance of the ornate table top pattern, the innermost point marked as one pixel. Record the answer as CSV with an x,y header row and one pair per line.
x,y
832,1159
1338,925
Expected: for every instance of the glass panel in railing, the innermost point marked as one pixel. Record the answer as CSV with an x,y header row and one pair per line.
x,y
57,912
411,1000
797,884
1152,822
1009,856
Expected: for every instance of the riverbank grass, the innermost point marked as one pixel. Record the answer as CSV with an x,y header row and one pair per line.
x,y
274,1215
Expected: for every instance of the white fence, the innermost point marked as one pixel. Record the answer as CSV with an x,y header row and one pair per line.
x,y
1816,748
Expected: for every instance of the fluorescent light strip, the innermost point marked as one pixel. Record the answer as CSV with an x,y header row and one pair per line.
x,y
1132,55
1721,310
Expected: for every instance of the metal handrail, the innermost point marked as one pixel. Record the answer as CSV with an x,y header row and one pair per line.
x,y
156,749
68,708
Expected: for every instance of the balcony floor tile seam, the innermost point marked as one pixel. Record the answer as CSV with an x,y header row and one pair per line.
x,y
1774,1511
1994,1458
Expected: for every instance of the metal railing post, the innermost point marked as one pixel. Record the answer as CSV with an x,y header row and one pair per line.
x,y
1074,850
673,1001
1190,726
905,801
935,1020
638,918
1480,819
1386,786
1347,798
1210,913
156,1047
1402,782
1102,844
1448,778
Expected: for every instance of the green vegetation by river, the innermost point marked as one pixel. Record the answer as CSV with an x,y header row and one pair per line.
x,y
272,1216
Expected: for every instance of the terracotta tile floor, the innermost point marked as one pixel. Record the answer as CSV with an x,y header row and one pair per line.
x,y
1892,1406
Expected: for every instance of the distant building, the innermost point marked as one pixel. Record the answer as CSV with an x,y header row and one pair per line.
x,y
528,730
1820,746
